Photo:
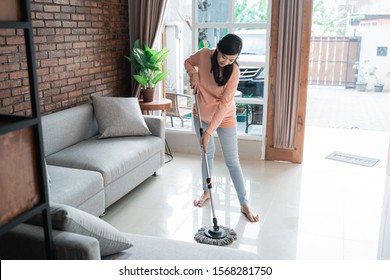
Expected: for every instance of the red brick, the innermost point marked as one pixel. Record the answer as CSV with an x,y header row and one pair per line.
x,y
79,45
49,62
42,15
67,75
63,31
51,91
50,78
74,80
43,86
68,89
57,69
64,46
14,40
60,83
62,16
96,82
61,2
81,72
7,32
76,93
94,70
65,61
73,67
22,107
36,7
9,50
52,8
18,75
69,24
71,38
53,23
60,97
42,71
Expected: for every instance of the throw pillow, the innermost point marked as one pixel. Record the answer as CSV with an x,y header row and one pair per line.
x,y
68,218
119,116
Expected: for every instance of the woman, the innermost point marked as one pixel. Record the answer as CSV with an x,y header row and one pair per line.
x,y
214,74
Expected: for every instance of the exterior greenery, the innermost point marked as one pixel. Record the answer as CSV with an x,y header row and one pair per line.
x,y
250,13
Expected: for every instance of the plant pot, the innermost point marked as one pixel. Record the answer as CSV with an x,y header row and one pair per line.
x,y
147,94
241,117
378,88
361,86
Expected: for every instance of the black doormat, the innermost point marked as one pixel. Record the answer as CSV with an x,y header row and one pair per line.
x,y
354,159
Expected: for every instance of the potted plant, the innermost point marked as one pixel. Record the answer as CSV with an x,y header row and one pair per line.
x,y
241,112
148,65
378,86
361,84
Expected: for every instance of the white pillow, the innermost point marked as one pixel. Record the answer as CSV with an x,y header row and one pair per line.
x,y
119,116
68,218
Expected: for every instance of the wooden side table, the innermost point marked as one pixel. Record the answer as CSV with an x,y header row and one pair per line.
x,y
158,105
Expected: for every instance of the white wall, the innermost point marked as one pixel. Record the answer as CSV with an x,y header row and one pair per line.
x,y
373,37
185,142
181,11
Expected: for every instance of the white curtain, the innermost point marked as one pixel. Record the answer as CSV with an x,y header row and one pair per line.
x,y
287,76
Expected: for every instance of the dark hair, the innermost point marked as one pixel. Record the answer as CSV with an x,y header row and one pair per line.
x,y
230,44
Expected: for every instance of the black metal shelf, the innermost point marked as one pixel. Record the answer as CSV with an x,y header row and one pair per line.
x,y
10,123
23,217
15,25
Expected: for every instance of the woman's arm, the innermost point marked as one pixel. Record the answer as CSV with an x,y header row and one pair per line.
x,y
191,63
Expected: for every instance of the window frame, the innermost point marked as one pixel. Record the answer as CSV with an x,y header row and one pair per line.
x,y
230,26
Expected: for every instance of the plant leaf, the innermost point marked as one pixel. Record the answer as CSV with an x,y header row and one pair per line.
x,y
141,79
160,77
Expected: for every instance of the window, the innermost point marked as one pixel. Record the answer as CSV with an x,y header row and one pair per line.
x,y
206,22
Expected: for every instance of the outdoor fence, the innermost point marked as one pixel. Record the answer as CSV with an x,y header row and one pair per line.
x,y
332,60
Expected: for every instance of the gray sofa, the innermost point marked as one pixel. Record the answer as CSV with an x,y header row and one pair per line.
x,y
91,173
88,174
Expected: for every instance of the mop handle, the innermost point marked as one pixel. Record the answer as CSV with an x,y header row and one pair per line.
x,y
208,179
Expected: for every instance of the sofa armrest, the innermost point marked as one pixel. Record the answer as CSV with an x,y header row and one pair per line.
x,y
26,242
156,125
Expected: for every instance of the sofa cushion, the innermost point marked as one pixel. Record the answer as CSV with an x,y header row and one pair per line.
x,y
112,157
70,219
65,128
75,187
119,116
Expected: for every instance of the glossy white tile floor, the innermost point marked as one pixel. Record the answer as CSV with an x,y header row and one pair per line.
x,y
320,209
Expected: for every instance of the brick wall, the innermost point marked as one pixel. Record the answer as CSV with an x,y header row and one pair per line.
x,y
79,49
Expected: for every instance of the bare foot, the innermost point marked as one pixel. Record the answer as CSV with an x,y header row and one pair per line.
x,y
199,203
249,215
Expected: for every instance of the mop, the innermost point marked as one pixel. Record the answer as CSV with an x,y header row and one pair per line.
x,y
216,234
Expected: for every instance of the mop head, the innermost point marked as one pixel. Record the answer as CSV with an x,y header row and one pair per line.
x,y
201,237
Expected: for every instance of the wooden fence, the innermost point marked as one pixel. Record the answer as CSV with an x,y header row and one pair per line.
x,y
332,60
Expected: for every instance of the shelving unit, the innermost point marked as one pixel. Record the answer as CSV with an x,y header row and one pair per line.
x,y
23,182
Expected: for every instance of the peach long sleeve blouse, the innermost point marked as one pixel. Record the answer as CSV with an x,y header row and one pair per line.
x,y
216,103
